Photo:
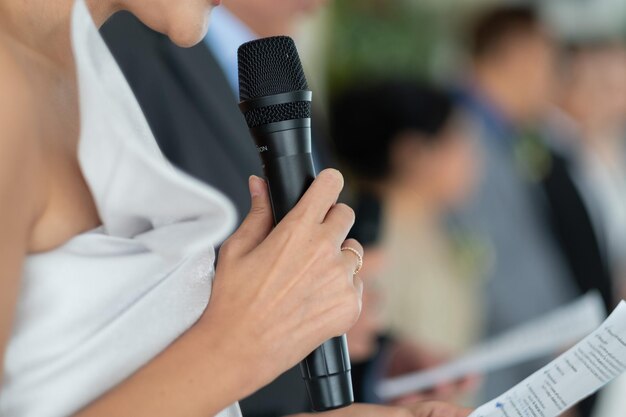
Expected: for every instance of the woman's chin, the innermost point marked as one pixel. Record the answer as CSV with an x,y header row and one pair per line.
x,y
186,41
188,37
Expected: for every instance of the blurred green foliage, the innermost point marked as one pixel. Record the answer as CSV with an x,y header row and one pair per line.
x,y
373,39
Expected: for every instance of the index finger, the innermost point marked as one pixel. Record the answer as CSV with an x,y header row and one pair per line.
x,y
321,196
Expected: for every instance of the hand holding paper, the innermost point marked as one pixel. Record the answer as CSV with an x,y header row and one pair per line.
x,y
575,375
543,336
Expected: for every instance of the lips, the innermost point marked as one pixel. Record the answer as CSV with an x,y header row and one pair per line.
x,y
217,2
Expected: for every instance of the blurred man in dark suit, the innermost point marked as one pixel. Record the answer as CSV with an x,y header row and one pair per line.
x,y
585,181
587,132
546,251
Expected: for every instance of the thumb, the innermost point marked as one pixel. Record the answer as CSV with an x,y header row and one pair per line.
x,y
257,224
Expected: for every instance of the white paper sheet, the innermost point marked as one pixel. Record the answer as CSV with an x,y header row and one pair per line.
x,y
543,336
578,373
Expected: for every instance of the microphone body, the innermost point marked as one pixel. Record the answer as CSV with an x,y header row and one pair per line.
x,y
285,150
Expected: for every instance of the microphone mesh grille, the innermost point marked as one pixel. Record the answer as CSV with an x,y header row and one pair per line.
x,y
278,113
269,66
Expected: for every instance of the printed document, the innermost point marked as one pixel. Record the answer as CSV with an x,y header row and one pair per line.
x,y
578,373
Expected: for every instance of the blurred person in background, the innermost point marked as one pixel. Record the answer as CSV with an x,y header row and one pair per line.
x,y
375,353
582,153
509,91
585,185
405,144
592,122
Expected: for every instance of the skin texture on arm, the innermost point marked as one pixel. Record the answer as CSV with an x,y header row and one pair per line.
x,y
195,376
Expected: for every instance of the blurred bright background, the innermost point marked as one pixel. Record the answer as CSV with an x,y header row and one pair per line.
x,y
425,38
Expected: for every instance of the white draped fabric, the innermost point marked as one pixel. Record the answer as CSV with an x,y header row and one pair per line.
x,y
93,311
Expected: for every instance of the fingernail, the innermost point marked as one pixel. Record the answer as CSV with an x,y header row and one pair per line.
x,y
256,186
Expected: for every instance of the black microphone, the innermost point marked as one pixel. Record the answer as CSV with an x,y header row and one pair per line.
x,y
276,103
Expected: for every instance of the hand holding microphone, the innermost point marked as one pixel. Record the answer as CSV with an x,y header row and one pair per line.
x,y
276,103
281,292
278,294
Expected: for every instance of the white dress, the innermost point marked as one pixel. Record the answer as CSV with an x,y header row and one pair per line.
x,y
93,311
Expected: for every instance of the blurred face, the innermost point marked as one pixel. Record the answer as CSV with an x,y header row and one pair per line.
x,y
595,91
453,167
445,171
529,63
520,75
184,21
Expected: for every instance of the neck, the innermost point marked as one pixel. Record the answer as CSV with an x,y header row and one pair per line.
x,y
42,27
497,91
412,202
